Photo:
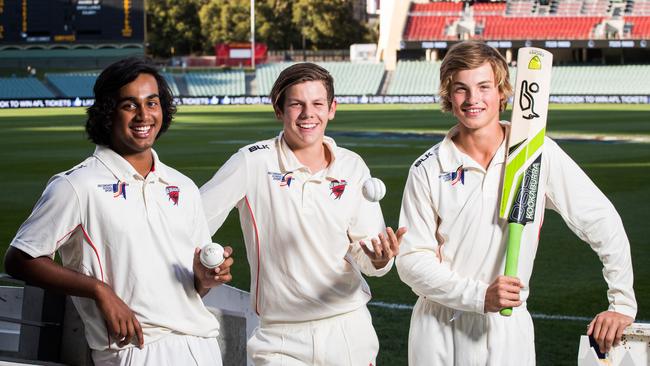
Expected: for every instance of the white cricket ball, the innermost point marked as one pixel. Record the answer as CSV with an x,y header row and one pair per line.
x,y
212,255
373,189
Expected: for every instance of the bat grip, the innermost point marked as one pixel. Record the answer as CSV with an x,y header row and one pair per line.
x,y
512,255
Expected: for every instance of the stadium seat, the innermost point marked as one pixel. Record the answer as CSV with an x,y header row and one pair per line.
x,y
200,84
415,78
349,78
437,7
551,27
80,84
29,87
422,78
640,26
522,19
74,84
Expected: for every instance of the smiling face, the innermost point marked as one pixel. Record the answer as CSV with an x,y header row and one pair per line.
x,y
138,117
305,114
475,97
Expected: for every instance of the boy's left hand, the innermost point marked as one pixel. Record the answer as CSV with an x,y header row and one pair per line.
x,y
385,248
607,329
207,278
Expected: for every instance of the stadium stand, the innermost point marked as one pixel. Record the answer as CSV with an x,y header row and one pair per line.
x,y
437,8
266,74
596,7
521,8
29,87
409,78
638,7
426,27
528,19
623,80
216,83
73,84
639,26
349,78
556,27
430,20
422,78
489,8
80,84
355,79
567,8
171,82
415,78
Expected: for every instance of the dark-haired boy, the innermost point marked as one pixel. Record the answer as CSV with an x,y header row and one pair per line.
x,y
127,228
304,222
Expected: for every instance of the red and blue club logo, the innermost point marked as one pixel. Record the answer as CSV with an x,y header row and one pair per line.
x,y
173,192
118,189
337,187
454,177
284,179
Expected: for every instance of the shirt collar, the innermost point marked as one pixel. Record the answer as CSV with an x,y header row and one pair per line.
x,y
289,162
451,157
123,170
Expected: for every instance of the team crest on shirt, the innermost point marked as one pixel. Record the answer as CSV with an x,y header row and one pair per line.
x,y
284,179
173,192
454,177
337,187
118,189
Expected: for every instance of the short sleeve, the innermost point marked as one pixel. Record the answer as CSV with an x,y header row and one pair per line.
x,y
53,220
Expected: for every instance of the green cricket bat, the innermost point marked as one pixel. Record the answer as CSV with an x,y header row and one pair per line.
x,y
524,152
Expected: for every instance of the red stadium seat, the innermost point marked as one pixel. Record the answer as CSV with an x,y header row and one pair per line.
x,y
516,20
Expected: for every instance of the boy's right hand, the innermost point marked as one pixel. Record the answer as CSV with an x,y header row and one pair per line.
x,y
503,293
121,322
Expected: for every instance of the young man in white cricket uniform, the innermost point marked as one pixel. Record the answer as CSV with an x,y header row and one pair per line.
x,y
305,224
454,254
127,228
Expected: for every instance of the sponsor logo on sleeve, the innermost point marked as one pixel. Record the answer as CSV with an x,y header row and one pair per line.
x,y
454,177
337,187
118,189
173,193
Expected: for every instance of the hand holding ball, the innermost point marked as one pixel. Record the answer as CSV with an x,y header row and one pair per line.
x,y
212,255
373,189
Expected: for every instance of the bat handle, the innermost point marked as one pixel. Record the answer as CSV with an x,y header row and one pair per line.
x,y
512,255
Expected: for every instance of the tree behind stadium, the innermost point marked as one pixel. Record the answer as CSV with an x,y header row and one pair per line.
x,y
194,26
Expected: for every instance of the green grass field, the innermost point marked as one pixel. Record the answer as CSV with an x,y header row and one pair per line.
x,y
567,280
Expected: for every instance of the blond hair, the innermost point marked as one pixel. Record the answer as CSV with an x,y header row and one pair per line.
x,y
471,55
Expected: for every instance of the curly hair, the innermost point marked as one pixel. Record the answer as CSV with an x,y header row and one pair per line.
x,y
107,88
471,55
300,73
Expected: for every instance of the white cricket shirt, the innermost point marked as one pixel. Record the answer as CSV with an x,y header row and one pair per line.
x,y
136,234
301,229
456,247
456,242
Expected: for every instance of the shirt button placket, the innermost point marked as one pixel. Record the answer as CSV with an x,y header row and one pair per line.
x,y
145,196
